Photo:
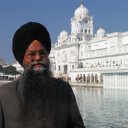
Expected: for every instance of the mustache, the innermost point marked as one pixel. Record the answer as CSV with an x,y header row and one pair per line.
x,y
44,62
38,63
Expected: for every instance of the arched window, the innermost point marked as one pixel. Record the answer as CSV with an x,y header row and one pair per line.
x,y
80,65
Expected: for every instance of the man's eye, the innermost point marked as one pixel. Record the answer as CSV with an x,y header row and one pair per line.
x,y
32,54
42,53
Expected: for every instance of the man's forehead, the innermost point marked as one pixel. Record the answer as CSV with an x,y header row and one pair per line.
x,y
36,50
35,45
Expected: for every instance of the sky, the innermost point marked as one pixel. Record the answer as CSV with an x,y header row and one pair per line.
x,y
111,15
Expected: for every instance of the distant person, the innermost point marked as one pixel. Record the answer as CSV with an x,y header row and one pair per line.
x,y
36,99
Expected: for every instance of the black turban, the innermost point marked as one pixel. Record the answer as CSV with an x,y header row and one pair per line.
x,y
25,35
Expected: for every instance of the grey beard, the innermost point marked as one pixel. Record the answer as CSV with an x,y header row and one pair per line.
x,y
35,91
34,80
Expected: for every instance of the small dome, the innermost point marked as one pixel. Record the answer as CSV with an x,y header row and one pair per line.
x,y
100,32
63,34
81,12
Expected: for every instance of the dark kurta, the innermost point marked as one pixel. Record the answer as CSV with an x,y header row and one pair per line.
x,y
61,112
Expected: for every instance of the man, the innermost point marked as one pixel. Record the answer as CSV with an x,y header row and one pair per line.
x,y
36,99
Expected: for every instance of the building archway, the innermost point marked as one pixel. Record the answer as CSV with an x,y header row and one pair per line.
x,y
92,78
96,78
101,78
84,78
88,78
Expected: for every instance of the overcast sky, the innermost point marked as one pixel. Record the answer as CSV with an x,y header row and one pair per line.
x,y
112,15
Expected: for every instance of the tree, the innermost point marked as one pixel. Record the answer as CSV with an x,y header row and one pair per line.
x,y
10,70
1,68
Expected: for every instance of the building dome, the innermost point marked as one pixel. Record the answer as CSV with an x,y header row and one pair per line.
x,y
81,12
63,34
62,37
100,32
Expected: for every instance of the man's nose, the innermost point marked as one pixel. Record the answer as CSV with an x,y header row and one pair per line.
x,y
38,56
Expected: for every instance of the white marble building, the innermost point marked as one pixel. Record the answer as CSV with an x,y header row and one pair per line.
x,y
91,57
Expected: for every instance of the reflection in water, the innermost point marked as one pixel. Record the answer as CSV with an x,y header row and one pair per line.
x,y
101,108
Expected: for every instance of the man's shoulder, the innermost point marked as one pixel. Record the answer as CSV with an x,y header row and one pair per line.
x,y
61,83
8,87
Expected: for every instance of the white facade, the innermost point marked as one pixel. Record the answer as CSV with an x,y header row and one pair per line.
x,y
92,58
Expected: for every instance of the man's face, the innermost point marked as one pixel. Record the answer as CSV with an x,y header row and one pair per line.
x,y
36,57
